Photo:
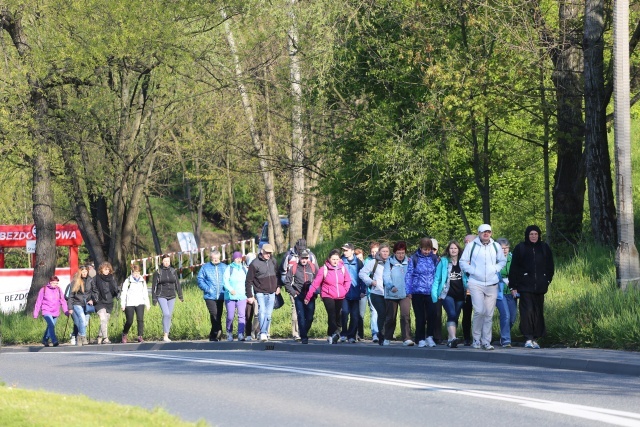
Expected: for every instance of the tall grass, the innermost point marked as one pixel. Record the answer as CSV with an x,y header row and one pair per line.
x,y
584,308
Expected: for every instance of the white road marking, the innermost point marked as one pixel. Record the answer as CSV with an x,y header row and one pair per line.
x,y
620,418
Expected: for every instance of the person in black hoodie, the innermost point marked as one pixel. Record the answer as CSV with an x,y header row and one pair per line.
x,y
164,287
531,273
297,282
104,291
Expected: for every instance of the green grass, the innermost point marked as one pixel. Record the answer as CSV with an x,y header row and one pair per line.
x,y
38,408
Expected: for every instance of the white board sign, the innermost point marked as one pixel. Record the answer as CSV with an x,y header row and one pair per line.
x,y
187,242
31,246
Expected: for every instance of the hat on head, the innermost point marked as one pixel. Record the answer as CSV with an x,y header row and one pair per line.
x,y
484,227
304,254
348,246
267,247
434,244
236,254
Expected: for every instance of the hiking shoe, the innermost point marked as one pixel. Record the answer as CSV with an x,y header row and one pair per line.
x,y
430,342
488,347
535,344
422,343
166,339
506,345
330,340
343,339
467,343
263,337
99,340
335,338
296,338
529,344
476,344
375,338
408,343
55,344
106,341
140,339
240,337
229,337
386,342
352,340
124,338
73,340
304,340
45,343
248,338
452,343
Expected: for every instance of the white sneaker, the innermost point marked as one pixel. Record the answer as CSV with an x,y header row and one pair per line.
x,y
430,342
263,337
386,342
476,344
229,337
330,340
422,343
166,339
352,340
343,339
73,340
408,343
240,337
248,338
375,338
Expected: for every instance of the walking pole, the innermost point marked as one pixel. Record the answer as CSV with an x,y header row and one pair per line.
x,y
65,327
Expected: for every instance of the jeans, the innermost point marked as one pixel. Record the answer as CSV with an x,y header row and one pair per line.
x,y
363,310
505,320
166,305
483,299
373,318
305,314
265,309
50,332
452,308
79,319
231,306
512,304
350,308
377,301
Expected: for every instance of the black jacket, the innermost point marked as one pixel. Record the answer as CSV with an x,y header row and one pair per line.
x,y
300,282
261,277
81,298
532,265
105,290
165,284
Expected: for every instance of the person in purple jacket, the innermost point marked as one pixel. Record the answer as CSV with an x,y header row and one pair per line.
x,y
334,282
50,299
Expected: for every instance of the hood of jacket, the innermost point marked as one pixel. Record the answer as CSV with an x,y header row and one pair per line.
x,y
529,230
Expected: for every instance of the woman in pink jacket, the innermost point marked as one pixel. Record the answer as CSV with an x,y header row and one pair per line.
x,y
334,283
50,299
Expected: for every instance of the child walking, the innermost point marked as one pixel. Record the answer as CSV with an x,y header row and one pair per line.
x,y
50,299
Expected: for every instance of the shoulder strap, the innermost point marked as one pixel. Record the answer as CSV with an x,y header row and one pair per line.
x,y
473,248
414,259
294,268
326,271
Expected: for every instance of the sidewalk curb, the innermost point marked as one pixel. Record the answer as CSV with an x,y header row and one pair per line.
x,y
543,358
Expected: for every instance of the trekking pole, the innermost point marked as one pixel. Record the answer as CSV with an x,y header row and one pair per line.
x,y
65,326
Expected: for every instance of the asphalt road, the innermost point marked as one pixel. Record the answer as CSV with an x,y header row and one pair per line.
x,y
243,388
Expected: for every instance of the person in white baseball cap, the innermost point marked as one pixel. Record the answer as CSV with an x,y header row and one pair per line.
x,y
482,260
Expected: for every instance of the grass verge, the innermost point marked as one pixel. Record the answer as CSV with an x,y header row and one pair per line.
x,y
30,408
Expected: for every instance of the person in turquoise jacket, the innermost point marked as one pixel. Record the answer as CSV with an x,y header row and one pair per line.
x,y
235,297
450,286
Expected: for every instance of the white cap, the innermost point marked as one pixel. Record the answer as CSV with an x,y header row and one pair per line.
x,y
484,227
434,244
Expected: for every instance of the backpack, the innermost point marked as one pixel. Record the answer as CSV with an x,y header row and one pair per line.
x,y
293,265
326,271
495,246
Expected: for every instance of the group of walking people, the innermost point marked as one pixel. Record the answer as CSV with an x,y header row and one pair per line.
x,y
472,281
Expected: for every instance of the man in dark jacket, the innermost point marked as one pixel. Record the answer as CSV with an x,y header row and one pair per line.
x,y
297,282
531,273
262,281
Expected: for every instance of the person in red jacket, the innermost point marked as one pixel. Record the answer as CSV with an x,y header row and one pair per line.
x,y
50,299
334,283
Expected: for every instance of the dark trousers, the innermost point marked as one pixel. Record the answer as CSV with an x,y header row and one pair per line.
x,y
334,315
350,309
467,314
305,314
128,314
215,314
425,311
391,308
379,304
436,321
252,327
531,315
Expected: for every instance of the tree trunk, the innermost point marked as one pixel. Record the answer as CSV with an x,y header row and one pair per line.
x,y
481,165
232,201
596,147
569,178
267,175
627,260
152,226
297,144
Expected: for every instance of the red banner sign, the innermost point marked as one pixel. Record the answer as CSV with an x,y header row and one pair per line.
x,y
15,236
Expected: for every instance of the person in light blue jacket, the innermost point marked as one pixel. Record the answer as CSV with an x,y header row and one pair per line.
x,y
235,296
210,281
395,295
450,286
